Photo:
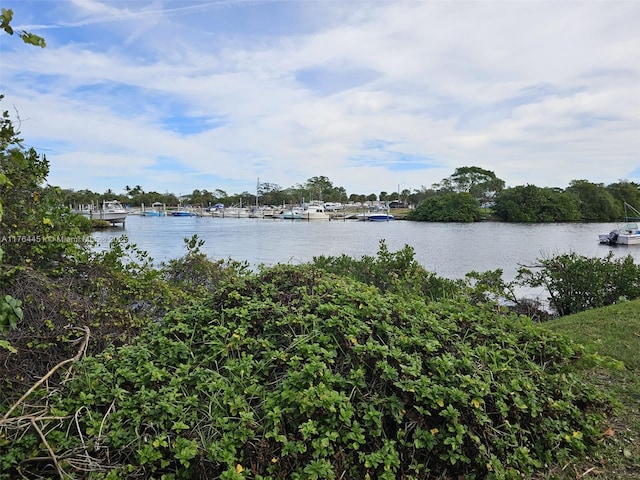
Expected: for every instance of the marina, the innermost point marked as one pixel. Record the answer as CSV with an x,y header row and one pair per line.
x,y
310,211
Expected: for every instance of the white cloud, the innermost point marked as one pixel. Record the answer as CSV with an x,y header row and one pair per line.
x,y
538,92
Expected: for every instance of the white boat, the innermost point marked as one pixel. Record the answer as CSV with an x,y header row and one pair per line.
x,y
315,211
112,211
294,214
232,212
626,234
262,212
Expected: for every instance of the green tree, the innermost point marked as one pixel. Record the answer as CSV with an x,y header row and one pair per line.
x,y
321,188
339,195
404,195
36,228
531,204
625,191
357,198
10,308
596,203
449,207
480,183
220,195
318,188
270,193
196,197
8,136
80,197
419,194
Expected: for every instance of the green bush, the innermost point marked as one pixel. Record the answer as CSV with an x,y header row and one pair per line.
x,y
395,272
114,292
294,373
447,207
194,273
576,283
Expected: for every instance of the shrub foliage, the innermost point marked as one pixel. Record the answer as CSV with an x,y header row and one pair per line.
x,y
296,373
530,204
448,207
576,283
114,293
396,272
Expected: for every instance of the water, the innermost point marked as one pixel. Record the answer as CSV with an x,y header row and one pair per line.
x,y
449,250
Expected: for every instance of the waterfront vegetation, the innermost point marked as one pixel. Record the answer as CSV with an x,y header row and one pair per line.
x,y
341,368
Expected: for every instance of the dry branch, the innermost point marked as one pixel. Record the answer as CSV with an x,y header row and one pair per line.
x,y
77,356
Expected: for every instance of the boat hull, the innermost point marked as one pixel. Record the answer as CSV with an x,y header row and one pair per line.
x,y
380,218
615,238
233,213
375,217
629,234
312,216
628,240
111,211
112,217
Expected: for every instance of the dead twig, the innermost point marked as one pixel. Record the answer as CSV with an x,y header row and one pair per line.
x,y
49,449
77,356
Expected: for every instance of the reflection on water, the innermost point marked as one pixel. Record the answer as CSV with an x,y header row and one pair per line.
x,y
448,249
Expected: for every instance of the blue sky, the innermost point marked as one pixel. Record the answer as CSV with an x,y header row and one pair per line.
x,y
177,95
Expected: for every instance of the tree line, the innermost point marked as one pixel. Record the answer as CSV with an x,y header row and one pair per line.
x,y
266,193
473,194
469,194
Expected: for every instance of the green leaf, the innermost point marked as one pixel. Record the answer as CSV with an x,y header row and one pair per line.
x,y
177,426
32,39
7,346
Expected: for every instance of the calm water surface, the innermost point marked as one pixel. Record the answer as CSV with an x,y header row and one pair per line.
x,y
448,249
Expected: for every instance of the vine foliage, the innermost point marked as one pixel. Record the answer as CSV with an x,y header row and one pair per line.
x,y
296,373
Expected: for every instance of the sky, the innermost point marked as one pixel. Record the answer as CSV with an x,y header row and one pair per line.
x,y
177,95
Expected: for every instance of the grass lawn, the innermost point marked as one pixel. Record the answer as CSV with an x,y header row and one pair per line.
x,y
614,333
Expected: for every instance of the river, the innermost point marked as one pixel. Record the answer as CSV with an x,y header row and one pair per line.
x,y
447,249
